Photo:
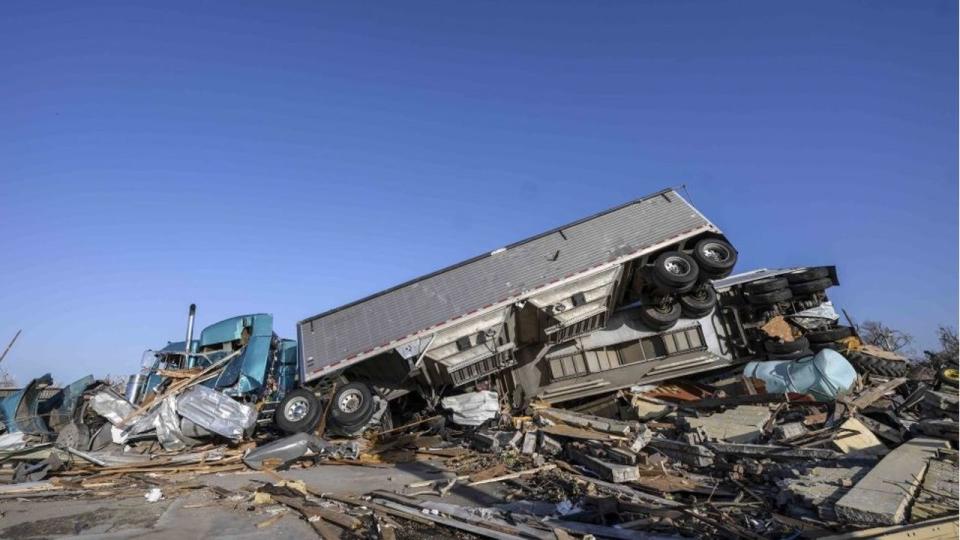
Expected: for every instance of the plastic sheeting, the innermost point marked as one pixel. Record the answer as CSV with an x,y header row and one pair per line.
x,y
472,408
216,412
825,375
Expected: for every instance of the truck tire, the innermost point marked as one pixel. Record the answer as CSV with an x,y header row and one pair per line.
x,y
352,404
808,287
830,334
715,257
298,412
772,297
660,317
949,376
74,435
699,302
874,365
765,285
809,274
797,346
674,271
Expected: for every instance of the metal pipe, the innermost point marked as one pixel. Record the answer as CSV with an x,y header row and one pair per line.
x,y
190,319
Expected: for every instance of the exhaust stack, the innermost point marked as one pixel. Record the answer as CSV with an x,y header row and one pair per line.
x,y
190,318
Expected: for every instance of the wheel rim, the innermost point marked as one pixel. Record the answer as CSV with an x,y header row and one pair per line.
x,y
951,374
296,409
676,266
350,401
715,252
701,293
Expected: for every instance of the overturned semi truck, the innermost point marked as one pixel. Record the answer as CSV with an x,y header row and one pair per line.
x,y
626,296
639,293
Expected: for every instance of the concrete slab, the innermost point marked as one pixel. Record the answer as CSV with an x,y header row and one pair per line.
x,y
863,441
939,494
817,491
741,424
883,495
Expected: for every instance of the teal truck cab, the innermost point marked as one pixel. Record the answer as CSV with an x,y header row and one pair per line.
x,y
262,369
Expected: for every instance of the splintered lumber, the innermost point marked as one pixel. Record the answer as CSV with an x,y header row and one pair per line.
x,y
883,495
181,385
579,433
29,487
606,532
630,493
511,476
312,511
353,501
321,527
872,394
407,511
484,519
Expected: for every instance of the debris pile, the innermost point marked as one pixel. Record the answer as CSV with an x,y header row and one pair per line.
x,y
718,457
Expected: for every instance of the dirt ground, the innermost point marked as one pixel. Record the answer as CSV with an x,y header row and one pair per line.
x,y
205,513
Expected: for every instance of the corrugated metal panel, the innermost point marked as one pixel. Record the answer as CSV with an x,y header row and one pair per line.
x,y
460,290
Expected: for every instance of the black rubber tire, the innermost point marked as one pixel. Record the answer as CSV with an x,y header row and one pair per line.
x,y
765,285
359,416
74,435
809,274
809,287
791,356
773,297
873,365
658,319
683,281
830,334
716,257
699,302
798,345
303,425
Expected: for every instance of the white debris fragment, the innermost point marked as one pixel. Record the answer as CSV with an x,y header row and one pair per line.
x,y
472,408
153,495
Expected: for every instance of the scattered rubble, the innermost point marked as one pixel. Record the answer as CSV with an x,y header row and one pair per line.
x,y
715,460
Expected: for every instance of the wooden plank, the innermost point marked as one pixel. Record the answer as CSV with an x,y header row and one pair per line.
x,y
511,476
872,394
579,433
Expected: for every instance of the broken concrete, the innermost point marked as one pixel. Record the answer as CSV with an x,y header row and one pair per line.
x,y
742,424
883,495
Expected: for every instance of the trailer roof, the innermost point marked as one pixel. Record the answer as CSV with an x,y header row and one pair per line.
x,y
458,291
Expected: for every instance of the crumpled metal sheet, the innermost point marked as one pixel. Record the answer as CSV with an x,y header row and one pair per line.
x,y
289,449
216,412
472,408
13,441
20,410
109,405
168,426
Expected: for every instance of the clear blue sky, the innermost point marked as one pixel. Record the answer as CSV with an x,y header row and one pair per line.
x,y
253,156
